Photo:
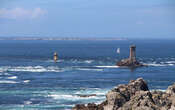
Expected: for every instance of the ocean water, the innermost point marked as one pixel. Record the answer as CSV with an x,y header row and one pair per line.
x,y
30,80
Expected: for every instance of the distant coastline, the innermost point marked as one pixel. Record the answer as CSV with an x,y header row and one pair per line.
x,y
58,38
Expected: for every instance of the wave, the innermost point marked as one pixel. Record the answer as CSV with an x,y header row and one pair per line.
x,y
72,61
170,62
72,97
159,64
89,61
27,102
12,77
8,82
81,61
107,66
162,90
89,69
153,64
26,81
98,92
88,94
31,69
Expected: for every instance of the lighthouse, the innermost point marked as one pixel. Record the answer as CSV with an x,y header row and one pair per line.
x,y
55,57
132,56
131,61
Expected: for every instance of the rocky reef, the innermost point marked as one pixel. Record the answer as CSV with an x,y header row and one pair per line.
x,y
129,63
134,96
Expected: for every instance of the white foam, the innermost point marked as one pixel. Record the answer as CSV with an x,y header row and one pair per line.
x,y
154,64
6,82
107,66
170,62
12,77
158,90
88,61
88,69
161,64
26,81
27,102
31,68
96,92
71,97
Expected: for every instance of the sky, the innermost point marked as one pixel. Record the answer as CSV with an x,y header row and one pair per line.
x,y
88,18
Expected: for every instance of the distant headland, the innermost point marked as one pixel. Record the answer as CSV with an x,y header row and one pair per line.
x,y
61,38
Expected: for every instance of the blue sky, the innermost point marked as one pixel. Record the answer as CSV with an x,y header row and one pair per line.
x,y
88,18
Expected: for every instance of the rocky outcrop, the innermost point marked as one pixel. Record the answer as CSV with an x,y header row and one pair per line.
x,y
90,95
129,63
135,96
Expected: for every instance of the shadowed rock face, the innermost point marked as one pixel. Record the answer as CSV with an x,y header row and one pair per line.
x,y
135,96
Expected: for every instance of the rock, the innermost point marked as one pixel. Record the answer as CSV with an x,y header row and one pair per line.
x,y
114,100
91,95
135,96
171,89
122,93
129,63
161,99
80,107
131,88
90,106
141,101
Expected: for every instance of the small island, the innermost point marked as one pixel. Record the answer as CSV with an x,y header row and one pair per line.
x,y
131,61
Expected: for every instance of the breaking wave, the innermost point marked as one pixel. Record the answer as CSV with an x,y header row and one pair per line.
x,y
26,81
27,102
89,69
88,61
153,64
83,95
170,62
71,97
8,82
107,66
31,69
12,77
162,63
96,91
72,61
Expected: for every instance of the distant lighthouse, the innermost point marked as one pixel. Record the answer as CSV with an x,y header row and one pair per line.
x,y
131,61
55,57
132,56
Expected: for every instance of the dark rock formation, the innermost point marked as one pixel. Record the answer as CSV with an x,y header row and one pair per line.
x,y
129,63
90,95
135,96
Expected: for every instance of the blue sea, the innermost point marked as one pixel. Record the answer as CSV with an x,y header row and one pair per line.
x,y
31,80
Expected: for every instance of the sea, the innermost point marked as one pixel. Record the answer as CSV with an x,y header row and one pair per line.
x,y
31,80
